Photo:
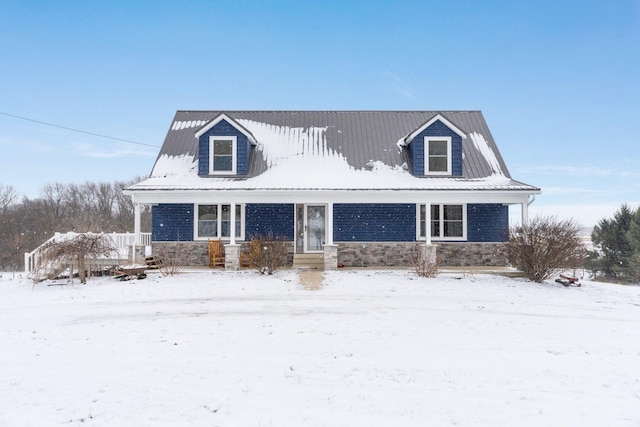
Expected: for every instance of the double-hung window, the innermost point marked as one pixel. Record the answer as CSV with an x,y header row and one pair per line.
x,y
448,222
214,221
222,155
437,155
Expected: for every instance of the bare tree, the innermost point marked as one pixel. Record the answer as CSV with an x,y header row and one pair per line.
x,y
7,197
89,207
77,208
77,251
53,196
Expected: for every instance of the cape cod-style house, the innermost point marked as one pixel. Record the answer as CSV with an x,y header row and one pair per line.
x,y
358,188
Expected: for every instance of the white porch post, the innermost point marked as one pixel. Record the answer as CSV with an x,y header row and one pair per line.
x,y
136,231
232,228
329,233
232,250
428,253
525,212
427,226
136,223
330,250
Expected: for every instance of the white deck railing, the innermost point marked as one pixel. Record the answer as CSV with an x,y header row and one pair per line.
x,y
123,242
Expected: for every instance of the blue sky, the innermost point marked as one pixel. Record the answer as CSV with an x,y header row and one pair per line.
x,y
558,81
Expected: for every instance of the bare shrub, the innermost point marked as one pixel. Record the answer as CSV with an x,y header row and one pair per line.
x,y
424,264
544,246
269,253
171,266
75,251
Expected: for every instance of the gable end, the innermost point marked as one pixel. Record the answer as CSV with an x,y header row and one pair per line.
x,y
221,129
404,142
418,148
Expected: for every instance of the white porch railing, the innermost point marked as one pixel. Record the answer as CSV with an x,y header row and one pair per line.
x,y
123,242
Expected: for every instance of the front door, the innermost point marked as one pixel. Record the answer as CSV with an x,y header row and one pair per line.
x,y
311,224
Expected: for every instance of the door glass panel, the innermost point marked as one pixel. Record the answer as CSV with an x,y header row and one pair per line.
x,y
315,227
299,229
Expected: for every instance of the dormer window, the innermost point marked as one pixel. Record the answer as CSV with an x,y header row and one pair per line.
x,y
437,155
224,148
222,155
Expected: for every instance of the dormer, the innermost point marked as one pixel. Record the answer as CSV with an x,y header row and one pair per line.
x,y
435,148
224,148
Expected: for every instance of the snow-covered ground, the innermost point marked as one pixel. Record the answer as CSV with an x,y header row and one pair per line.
x,y
368,348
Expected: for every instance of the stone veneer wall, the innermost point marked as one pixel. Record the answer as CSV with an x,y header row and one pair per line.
x,y
360,254
377,254
182,253
194,253
464,254
403,254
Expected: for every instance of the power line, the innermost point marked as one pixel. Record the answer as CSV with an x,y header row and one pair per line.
x,y
79,131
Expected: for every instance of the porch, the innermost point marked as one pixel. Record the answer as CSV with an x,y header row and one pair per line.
x,y
129,248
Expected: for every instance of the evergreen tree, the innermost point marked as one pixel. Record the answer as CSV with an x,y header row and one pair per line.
x,y
615,252
633,236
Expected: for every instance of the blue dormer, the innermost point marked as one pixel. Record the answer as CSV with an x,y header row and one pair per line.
x,y
224,148
435,148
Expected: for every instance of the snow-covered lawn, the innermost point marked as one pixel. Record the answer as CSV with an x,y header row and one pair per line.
x,y
369,348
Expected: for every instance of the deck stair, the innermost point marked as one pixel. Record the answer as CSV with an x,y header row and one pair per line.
x,y
153,262
308,261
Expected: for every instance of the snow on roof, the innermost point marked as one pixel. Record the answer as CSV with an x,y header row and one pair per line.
x,y
307,150
279,143
175,166
184,124
299,158
481,145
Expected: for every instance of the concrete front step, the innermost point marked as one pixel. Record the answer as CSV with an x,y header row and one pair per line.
x,y
311,261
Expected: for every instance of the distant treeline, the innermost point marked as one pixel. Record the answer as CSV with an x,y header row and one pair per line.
x,y
98,207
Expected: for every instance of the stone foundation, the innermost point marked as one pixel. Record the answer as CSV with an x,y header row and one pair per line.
x,y
404,254
468,254
377,254
359,254
195,254
182,253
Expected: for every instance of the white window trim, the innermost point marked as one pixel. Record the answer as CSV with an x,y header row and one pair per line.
x,y
219,230
427,140
442,238
234,154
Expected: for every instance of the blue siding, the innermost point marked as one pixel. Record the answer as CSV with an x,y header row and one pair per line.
x,y
416,148
172,222
374,222
265,218
487,223
352,222
223,128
